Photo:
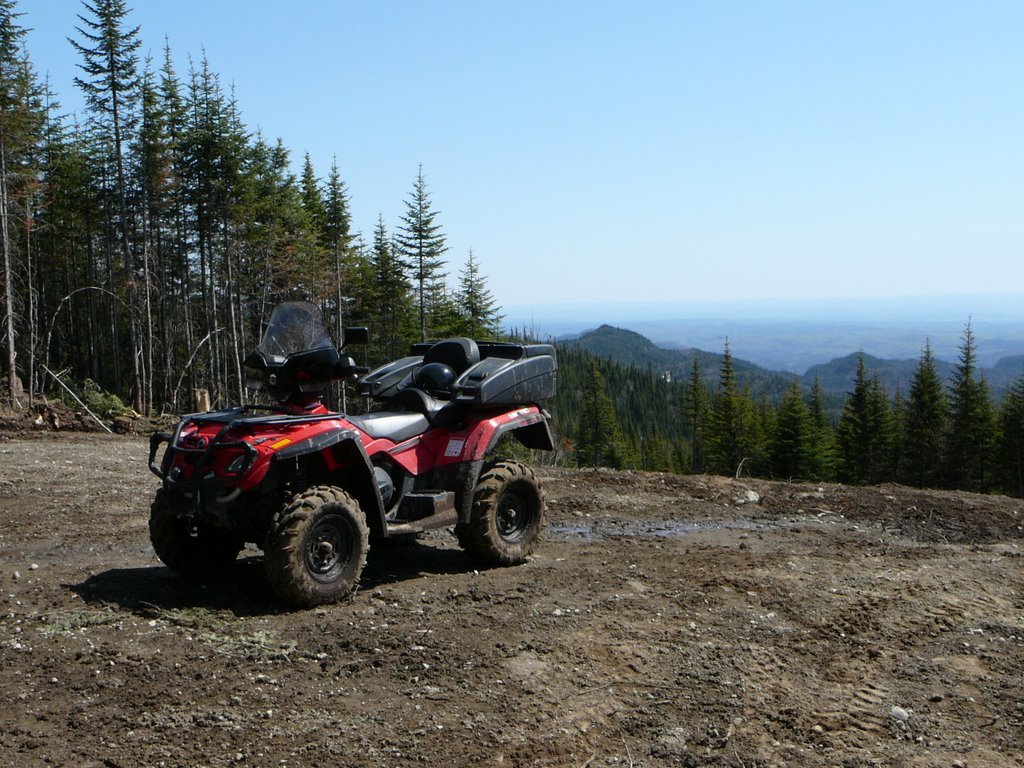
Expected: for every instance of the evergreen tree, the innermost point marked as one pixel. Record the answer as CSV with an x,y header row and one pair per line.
x,y
822,461
475,302
792,444
969,438
111,89
336,233
695,415
925,425
422,245
732,436
599,442
864,435
312,196
1011,439
390,325
21,121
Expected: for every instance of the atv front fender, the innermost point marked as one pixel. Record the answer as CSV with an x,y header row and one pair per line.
x,y
346,465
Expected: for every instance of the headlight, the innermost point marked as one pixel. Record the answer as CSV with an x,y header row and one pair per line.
x,y
237,464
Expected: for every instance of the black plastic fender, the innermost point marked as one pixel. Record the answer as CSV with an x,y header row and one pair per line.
x,y
532,429
354,470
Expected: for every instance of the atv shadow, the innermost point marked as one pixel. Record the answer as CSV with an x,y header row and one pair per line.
x,y
406,559
246,592
151,589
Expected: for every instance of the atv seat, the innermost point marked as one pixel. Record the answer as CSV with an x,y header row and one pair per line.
x,y
459,354
439,413
391,425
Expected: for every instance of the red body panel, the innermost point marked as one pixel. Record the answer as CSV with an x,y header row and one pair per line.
x,y
438,446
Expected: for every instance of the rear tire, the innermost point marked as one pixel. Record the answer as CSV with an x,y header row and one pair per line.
x,y
317,547
507,515
196,551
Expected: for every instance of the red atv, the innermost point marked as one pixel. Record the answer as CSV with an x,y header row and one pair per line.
x,y
314,488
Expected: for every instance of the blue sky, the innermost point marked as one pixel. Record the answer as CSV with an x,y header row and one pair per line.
x,y
655,151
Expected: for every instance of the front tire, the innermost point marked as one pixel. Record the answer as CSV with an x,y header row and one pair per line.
x,y
196,551
506,517
317,547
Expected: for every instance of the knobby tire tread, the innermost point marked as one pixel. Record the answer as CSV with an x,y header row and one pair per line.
x,y
284,554
479,536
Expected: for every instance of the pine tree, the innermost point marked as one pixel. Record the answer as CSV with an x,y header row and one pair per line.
x,y
422,245
730,441
792,443
21,121
925,425
822,451
1011,439
111,89
475,302
312,196
864,435
599,442
969,438
391,322
695,415
337,238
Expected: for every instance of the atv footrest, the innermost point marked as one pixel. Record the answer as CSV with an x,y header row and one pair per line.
x,y
425,511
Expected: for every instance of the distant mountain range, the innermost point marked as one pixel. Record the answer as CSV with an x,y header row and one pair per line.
x,y
836,377
794,335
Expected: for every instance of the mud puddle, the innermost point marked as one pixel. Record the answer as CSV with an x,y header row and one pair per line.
x,y
583,533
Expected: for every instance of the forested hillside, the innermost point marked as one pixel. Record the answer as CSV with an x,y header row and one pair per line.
x,y
144,246
936,432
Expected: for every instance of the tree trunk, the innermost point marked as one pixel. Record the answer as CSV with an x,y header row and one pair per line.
x,y
13,390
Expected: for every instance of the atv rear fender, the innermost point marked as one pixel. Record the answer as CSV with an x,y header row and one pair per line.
x,y
529,425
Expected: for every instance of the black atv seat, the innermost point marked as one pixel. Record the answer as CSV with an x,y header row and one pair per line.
x,y
391,425
440,413
459,354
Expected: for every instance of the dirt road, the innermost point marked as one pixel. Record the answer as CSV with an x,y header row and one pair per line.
x,y
664,621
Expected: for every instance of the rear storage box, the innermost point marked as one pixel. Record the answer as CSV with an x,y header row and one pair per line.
x,y
507,374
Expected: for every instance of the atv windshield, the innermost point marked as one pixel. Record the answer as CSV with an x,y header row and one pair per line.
x,y
295,327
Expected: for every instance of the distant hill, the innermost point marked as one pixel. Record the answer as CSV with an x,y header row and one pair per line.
x,y
837,376
631,349
628,348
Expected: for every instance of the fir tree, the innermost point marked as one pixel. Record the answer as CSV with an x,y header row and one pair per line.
x,y
21,121
111,88
969,437
864,435
695,416
599,442
422,245
391,296
475,302
1011,439
822,452
792,444
925,425
730,441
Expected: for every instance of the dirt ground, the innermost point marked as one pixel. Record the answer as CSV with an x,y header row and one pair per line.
x,y
664,621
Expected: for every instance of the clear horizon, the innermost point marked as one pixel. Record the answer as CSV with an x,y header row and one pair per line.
x,y
658,152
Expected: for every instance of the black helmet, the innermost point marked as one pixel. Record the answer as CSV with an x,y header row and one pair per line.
x,y
435,378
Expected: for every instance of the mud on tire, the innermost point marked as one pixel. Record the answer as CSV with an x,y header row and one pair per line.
x,y
317,547
506,517
197,552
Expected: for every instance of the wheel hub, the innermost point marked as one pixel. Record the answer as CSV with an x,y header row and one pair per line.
x,y
324,548
512,517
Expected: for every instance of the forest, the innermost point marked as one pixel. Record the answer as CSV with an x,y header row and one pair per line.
x,y
937,434
144,246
